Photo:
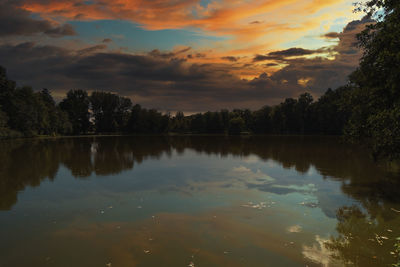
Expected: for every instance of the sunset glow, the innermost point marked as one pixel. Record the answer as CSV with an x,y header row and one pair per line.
x,y
190,55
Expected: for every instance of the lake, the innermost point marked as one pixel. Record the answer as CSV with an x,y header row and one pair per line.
x,y
195,201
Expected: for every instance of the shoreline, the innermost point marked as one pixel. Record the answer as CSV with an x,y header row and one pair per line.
x,y
169,135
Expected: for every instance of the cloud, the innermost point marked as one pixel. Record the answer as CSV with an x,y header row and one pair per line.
x,y
63,30
240,19
107,40
169,80
331,35
159,82
258,58
166,55
295,51
291,52
91,49
319,73
230,58
15,21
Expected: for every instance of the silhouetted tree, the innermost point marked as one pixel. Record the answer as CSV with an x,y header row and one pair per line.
x,y
76,104
197,124
53,119
179,123
262,121
375,98
303,109
143,121
236,125
110,111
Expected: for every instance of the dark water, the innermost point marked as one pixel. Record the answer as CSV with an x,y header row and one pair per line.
x,y
195,201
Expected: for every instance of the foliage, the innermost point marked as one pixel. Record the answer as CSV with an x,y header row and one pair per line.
x,y
375,98
3,119
28,113
76,105
143,121
110,111
5,132
236,125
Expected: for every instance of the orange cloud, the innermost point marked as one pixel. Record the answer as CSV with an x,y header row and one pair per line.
x,y
278,21
228,17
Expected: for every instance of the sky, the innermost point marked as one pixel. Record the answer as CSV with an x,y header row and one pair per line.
x,y
188,55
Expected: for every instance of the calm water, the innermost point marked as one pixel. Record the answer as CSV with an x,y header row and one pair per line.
x,y
195,201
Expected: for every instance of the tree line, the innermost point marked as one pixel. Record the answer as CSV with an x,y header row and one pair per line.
x,y
25,112
366,110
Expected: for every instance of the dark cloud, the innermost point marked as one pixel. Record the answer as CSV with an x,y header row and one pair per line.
x,y
107,40
295,51
347,40
230,58
167,81
166,55
355,24
63,30
320,73
91,49
291,52
258,58
197,55
15,22
331,35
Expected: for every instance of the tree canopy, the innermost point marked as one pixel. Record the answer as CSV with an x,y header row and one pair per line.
x,y
375,95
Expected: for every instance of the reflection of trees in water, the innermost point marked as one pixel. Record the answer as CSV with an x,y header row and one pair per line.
x,y
28,162
25,164
365,239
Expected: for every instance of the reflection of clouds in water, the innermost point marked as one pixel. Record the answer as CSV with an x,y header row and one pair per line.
x,y
318,253
294,229
272,164
251,159
308,188
311,171
234,178
281,189
245,174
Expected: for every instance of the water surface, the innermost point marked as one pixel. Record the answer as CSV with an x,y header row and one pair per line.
x,y
195,201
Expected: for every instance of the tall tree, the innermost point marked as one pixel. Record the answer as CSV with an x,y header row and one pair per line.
x,y
236,125
375,99
262,121
144,121
110,111
303,109
76,105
